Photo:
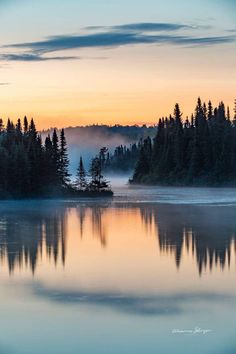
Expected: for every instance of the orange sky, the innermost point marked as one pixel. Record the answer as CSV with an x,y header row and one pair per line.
x,y
126,84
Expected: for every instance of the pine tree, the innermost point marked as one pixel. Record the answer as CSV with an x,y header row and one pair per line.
x,y
1,126
210,111
98,182
200,151
143,165
228,113
29,168
81,181
56,157
158,147
63,160
26,125
178,140
234,120
34,159
102,156
49,169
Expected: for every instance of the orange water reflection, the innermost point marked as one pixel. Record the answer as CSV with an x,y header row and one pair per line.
x,y
115,246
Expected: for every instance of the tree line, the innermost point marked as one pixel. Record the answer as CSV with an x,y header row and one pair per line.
x,y
196,151
92,180
123,159
32,168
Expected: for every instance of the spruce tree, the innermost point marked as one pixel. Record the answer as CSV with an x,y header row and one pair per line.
x,y
199,152
63,160
178,140
81,181
56,157
234,120
29,168
49,170
1,126
26,125
34,159
98,182
210,111
102,156
142,167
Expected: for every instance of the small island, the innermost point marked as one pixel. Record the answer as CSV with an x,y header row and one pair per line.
x,y
200,151
33,169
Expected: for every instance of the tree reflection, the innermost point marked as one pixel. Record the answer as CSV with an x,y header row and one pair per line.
x,y
30,233
208,232
99,226
81,213
23,232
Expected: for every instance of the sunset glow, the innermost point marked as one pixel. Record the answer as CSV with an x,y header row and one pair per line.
x,y
110,68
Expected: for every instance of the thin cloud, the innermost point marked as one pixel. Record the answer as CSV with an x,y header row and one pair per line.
x,y
164,305
206,41
116,36
32,57
143,27
114,39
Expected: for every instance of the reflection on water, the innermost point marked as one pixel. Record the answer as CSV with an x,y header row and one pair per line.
x,y
24,233
116,277
206,232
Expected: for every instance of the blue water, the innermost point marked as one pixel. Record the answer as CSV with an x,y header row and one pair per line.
x,y
152,271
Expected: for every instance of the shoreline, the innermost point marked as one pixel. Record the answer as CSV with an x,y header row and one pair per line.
x,y
75,196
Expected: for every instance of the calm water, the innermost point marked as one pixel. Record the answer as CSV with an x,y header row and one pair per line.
x,y
125,276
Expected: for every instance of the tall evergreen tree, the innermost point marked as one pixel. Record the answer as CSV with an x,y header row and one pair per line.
x,y
50,168
81,181
63,160
98,182
56,156
234,121
178,140
1,125
26,124
201,151
29,168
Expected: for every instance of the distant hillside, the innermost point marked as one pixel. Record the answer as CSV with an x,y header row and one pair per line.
x,y
86,141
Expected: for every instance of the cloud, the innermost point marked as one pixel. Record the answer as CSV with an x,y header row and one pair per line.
x,y
95,40
115,39
207,41
32,57
137,305
143,27
116,36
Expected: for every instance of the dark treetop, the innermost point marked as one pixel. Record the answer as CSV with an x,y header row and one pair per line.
x,y
29,168
197,151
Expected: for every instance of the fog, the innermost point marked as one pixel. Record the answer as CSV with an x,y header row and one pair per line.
x,y
124,192
88,145
87,141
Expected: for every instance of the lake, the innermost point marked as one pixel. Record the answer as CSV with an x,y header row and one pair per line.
x,y
151,271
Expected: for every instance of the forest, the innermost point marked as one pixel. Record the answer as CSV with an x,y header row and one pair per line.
x,y
123,159
200,151
117,132
30,168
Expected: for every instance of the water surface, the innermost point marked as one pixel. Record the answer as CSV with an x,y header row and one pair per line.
x,y
130,275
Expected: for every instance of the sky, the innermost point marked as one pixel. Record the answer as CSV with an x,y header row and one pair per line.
x,y
76,62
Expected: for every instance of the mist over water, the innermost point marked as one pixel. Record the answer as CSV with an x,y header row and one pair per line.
x,y
87,141
119,275
170,195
